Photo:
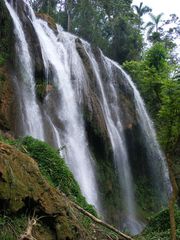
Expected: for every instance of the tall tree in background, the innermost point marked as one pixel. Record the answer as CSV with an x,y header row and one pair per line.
x,y
110,25
141,10
154,28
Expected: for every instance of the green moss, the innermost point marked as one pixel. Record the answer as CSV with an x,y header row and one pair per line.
x,y
41,90
53,167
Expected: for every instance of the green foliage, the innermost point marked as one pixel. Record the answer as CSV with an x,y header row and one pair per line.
x,y
159,226
111,25
141,10
169,114
153,26
156,57
2,60
41,90
55,170
5,34
12,227
149,205
150,75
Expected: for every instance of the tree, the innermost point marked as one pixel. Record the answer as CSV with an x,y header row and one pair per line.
x,y
120,28
110,25
149,74
140,11
153,25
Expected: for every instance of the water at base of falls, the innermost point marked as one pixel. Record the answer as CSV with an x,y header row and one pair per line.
x,y
62,112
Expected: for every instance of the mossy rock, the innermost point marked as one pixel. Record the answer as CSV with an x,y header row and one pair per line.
x,y
24,194
41,91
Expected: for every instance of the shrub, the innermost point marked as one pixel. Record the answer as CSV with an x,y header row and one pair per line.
x,y
159,226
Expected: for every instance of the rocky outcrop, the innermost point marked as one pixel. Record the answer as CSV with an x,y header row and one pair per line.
x,y
23,189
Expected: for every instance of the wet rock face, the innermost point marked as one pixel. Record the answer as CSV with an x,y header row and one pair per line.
x,y
92,106
125,93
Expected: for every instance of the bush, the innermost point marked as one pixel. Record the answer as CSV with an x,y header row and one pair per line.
x,y
159,226
160,222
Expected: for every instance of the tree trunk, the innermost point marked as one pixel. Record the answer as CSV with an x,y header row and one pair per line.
x,y
69,21
98,221
172,199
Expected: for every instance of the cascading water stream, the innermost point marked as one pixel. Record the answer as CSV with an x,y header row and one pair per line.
x,y
31,116
156,157
111,113
68,113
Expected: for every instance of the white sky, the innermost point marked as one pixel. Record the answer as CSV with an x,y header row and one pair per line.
x,y
159,6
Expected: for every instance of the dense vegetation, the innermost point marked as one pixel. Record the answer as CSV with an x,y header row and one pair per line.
x,y
159,226
112,25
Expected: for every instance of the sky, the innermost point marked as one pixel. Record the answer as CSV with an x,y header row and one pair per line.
x,y
159,6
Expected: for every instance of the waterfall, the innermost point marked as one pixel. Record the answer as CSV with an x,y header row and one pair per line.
x,y
59,119
57,59
29,109
157,163
111,112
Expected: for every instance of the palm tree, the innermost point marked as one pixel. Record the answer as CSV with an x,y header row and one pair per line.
x,y
153,25
141,10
